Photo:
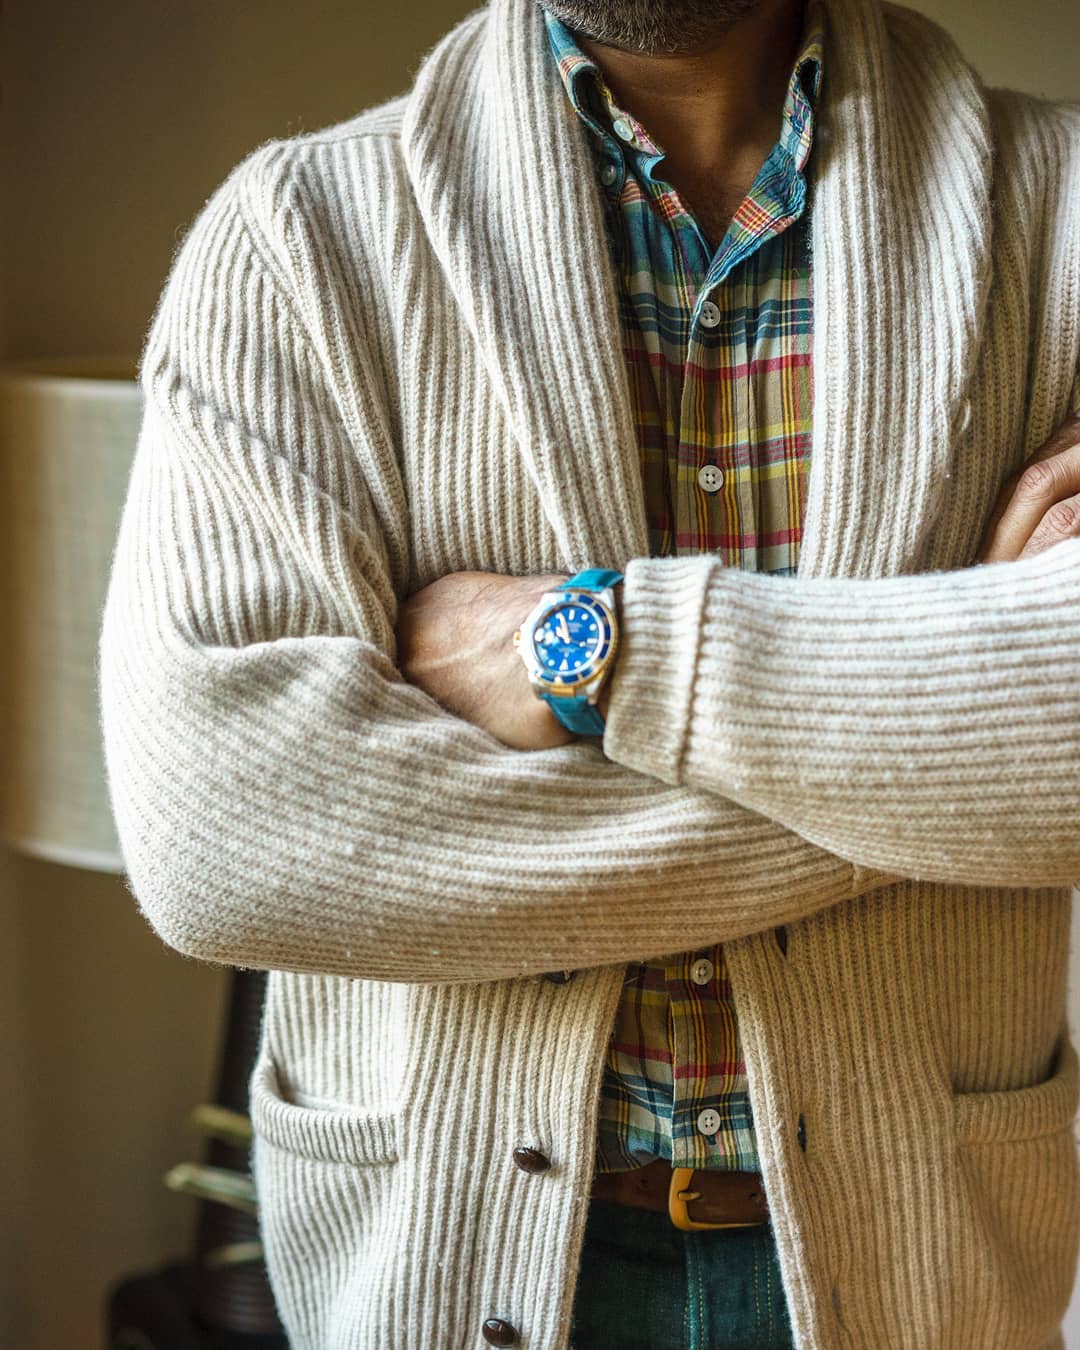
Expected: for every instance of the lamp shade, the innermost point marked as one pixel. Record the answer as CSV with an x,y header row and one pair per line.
x,y
68,428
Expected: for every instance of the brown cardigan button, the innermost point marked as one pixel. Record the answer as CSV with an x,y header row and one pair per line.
x,y
560,976
531,1159
498,1332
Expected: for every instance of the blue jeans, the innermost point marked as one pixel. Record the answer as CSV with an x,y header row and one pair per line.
x,y
646,1285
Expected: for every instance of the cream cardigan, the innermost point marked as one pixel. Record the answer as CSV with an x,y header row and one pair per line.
x,y
388,350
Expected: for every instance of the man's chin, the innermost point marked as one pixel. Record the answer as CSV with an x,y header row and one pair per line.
x,y
652,27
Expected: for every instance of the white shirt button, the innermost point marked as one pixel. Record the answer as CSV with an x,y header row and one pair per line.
x,y
701,972
708,1122
709,316
710,478
623,129
608,174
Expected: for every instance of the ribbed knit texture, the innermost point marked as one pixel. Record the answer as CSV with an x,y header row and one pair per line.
x,y
376,361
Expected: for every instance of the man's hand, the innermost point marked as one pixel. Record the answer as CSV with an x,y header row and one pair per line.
x,y
455,641
1039,505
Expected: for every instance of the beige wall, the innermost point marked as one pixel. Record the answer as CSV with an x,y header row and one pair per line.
x,y
119,119
1030,46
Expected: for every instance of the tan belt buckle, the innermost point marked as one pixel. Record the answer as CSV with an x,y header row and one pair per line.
x,y
679,1196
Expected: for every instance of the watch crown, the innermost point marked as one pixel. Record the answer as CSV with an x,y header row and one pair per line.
x,y
517,638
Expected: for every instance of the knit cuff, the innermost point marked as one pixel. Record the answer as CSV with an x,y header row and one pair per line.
x,y
653,678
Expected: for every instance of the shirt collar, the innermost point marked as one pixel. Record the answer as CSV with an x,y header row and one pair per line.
x,y
595,104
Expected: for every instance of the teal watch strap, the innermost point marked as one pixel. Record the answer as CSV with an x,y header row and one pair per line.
x,y
592,579
577,714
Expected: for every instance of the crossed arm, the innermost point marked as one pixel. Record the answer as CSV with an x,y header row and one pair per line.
x,y
289,794
437,627
924,747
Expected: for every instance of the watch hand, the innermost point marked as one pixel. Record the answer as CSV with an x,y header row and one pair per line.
x,y
564,632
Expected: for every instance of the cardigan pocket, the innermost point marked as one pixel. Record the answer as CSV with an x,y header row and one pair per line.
x,y
327,1178
1012,1232
1022,1113
326,1132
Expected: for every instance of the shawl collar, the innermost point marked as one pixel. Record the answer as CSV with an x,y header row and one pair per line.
x,y
900,238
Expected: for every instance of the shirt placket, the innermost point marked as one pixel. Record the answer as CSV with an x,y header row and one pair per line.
x,y
700,1132
698,509
717,504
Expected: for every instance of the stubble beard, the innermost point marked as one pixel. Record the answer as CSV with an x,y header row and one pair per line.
x,y
652,26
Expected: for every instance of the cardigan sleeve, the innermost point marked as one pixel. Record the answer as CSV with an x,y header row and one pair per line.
x,y
927,724
284,799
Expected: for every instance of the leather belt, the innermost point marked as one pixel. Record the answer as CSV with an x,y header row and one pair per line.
x,y
693,1200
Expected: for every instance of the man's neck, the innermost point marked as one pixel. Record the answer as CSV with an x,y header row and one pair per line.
x,y
716,110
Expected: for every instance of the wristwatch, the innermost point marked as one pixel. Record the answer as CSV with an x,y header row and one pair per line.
x,y
568,643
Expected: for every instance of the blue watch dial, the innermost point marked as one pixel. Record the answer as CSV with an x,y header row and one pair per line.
x,y
570,639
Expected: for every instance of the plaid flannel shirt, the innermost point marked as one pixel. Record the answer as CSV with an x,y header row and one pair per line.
x,y
717,341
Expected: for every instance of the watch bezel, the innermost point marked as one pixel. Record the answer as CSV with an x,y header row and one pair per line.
x,y
587,677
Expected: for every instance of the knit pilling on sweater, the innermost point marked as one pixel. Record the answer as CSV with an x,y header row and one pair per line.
x,y
389,350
